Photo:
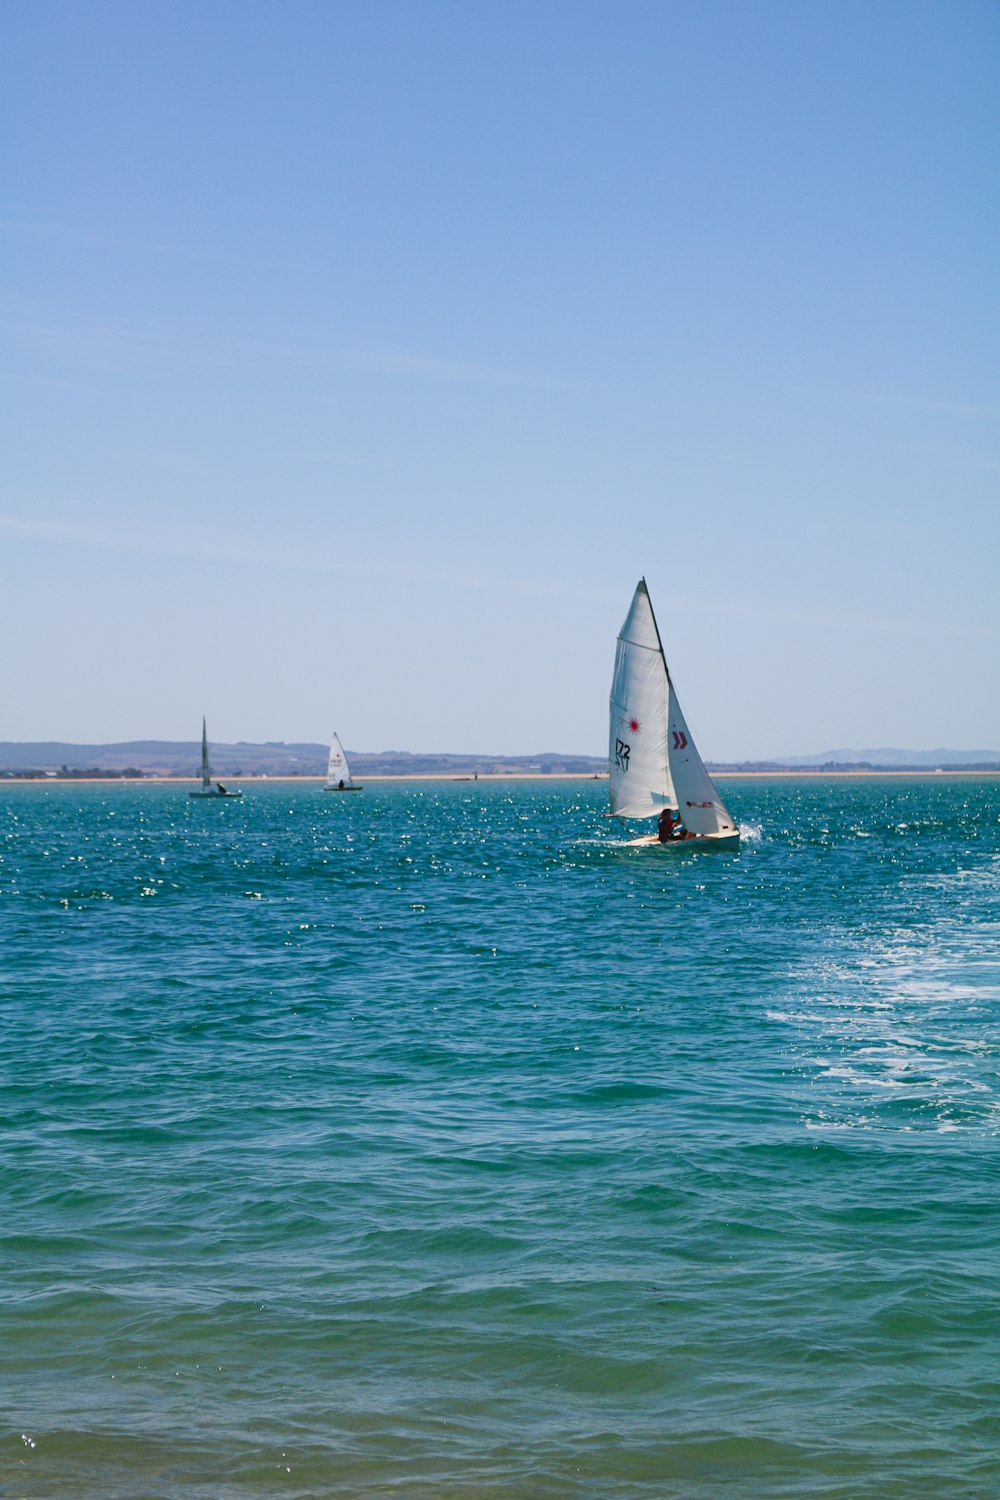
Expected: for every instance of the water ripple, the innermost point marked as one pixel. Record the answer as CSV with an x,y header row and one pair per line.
x,y
432,1143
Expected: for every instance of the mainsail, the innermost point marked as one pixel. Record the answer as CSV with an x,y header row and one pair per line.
x,y
638,769
337,771
653,761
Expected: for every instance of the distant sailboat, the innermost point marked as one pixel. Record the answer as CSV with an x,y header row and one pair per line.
x,y
654,769
338,772
207,789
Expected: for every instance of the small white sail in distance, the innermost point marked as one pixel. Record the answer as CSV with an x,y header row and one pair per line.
x,y
338,775
653,760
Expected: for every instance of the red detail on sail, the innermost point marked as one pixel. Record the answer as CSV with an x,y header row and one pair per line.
x,y
680,739
634,725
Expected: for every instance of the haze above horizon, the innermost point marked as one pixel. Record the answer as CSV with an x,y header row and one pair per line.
x,y
360,359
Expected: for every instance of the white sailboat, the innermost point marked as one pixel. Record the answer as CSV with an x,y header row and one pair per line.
x,y
654,768
207,789
338,772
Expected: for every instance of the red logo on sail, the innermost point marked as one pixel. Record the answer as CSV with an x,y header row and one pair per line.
x,y
634,725
680,739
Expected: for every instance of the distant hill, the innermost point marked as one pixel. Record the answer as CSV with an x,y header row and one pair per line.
x,y
895,759
183,758
166,757
275,758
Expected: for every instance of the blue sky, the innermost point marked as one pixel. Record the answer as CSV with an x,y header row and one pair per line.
x,y
358,359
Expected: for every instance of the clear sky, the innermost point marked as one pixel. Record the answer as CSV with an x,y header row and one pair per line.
x,y
358,358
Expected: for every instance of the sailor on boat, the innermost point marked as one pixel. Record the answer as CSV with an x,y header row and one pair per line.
x,y
668,826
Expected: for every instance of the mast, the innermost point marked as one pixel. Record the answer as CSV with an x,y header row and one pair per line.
x,y
206,779
659,639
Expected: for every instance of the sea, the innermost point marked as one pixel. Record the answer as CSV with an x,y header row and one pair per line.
x,y
430,1143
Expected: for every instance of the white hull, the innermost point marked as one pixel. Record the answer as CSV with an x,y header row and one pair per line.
x,y
701,841
343,789
213,793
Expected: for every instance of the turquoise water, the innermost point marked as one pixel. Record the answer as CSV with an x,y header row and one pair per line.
x,y
428,1143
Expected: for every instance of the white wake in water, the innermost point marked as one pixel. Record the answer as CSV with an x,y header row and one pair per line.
x,y
901,1029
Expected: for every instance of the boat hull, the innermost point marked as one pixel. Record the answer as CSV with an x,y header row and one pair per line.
x,y
699,841
216,795
343,789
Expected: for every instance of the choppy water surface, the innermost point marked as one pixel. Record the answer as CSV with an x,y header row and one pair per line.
x,y
428,1143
